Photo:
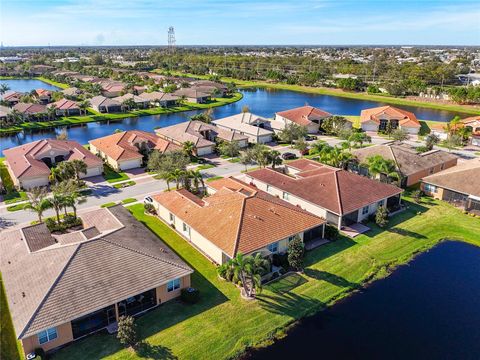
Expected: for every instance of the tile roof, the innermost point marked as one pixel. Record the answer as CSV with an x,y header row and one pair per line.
x,y
336,190
158,96
27,108
101,100
63,282
191,93
121,146
463,178
192,131
43,92
25,160
135,98
238,217
406,118
244,122
4,111
11,95
64,104
406,158
37,237
304,115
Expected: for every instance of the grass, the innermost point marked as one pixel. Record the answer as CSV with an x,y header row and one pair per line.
x,y
124,185
129,201
54,83
337,92
100,117
109,204
9,347
14,197
16,207
213,178
111,176
205,166
234,160
222,325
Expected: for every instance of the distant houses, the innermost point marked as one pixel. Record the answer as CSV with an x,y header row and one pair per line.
x,y
193,95
379,119
29,165
127,150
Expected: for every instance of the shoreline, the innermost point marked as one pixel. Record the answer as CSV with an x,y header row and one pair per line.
x,y
335,92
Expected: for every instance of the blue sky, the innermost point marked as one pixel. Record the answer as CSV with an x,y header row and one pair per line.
x,y
237,22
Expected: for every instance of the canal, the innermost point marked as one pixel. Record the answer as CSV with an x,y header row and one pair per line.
x,y
264,102
428,309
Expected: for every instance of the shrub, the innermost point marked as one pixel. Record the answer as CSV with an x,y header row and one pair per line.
x,y
149,208
381,216
296,251
70,221
417,196
331,232
280,260
127,331
53,226
222,271
190,295
40,354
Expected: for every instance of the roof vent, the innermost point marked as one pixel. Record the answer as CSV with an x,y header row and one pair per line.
x,y
23,294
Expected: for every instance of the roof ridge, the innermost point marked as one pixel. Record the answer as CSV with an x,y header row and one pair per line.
x,y
54,284
237,237
340,206
293,208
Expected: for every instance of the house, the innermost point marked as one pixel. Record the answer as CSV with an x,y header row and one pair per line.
x,y
60,288
411,165
38,70
126,150
158,98
30,111
43,96
236,218
214,88
459,185
202,135
139,101
341,197
65,107
105,105
192,95
307,116
439,129
253,126
4,112
377,119
29,164
473,123
72,92
12,97
111,89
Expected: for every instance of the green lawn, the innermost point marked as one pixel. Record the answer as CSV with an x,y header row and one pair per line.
x,y
205,166
128,201
9,347
109,204
222,325
16,207
111,176
213,178
124,185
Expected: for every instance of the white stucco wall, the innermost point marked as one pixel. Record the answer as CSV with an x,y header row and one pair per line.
x,y
34,182
372,208
369,126
205,150
93,171
129,164
410,130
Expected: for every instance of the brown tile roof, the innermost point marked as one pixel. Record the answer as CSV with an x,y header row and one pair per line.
x,y
238,217
12,96
121,146
191,93
463,178
43,92
37,237
304,115
406,118
64,104
336,190
25,160
100,100
27,108
406,158
61,283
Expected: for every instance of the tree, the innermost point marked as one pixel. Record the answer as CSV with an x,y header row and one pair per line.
x,y
335,156
261,155
389,129
381,216
296,251
57,201
358,138
127,331
399,135
55,175
84,105
163,163
37,201
430,141
4,88
51,111
417,196
129,103
301,145
378,165
229,148
67,170
62,135
292,132
333,124
177,175
197,178
452,141
247,158
248,270
317,147
275,158
189,149
79,167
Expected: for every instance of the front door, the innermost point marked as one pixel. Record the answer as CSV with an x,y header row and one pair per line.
x,y
111,317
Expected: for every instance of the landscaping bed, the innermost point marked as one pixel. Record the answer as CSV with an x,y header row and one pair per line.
x,y
124,185
111,176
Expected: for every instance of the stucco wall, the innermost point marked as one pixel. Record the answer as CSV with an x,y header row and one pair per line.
x,y
34,182
64,335
128,164
369,126
438,194
410,130
415,178
163,295
205,150
372,208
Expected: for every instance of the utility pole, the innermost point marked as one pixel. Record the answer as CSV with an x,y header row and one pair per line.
x,y
171,40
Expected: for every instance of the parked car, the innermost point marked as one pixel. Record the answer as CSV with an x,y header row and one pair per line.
x,y
147,200
311,137
288,156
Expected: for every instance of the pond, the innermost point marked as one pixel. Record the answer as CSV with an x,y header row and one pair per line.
x,y
27,85
264,102
428,309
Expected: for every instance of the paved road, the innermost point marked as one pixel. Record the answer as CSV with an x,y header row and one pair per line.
x,y
146,185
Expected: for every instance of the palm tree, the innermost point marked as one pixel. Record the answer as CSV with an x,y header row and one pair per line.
x,y
51,111
378,165
275,158
168,177
79,167
55,175
189,148
57,201
258,267
249,269
37,201
177,175
197,178
241,267
4,88
84,105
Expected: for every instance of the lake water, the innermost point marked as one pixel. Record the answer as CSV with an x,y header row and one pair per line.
x,y
428,309
264,102
27,85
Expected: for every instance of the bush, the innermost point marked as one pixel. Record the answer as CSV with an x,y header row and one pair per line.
x,y
331,232
190,295
71,220
280,260
53,226
222,271
296,251
40,354
381,216
127,331
149,208
417,196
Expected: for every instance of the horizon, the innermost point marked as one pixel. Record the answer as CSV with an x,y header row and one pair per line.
x,y
95,23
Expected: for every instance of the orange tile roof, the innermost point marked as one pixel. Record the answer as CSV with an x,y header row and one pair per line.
x,y
406,118
64,104
238,217
304,114
336,190
121,146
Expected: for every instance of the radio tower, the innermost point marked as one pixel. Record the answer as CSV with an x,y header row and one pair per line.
x,y
171,39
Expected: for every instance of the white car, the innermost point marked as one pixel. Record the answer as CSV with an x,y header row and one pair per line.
x,y
147,200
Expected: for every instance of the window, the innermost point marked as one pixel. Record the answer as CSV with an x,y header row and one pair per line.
x,y
285,195
268,188
186,229
172,218
290,238
173,285
273,247
430,188
365,210
380,203
47,335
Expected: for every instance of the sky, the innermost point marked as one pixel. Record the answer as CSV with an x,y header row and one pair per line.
x,y
239,22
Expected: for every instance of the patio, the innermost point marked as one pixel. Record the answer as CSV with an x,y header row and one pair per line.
x,y
354,230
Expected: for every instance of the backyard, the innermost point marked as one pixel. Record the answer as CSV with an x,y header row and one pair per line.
x,y
334,270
